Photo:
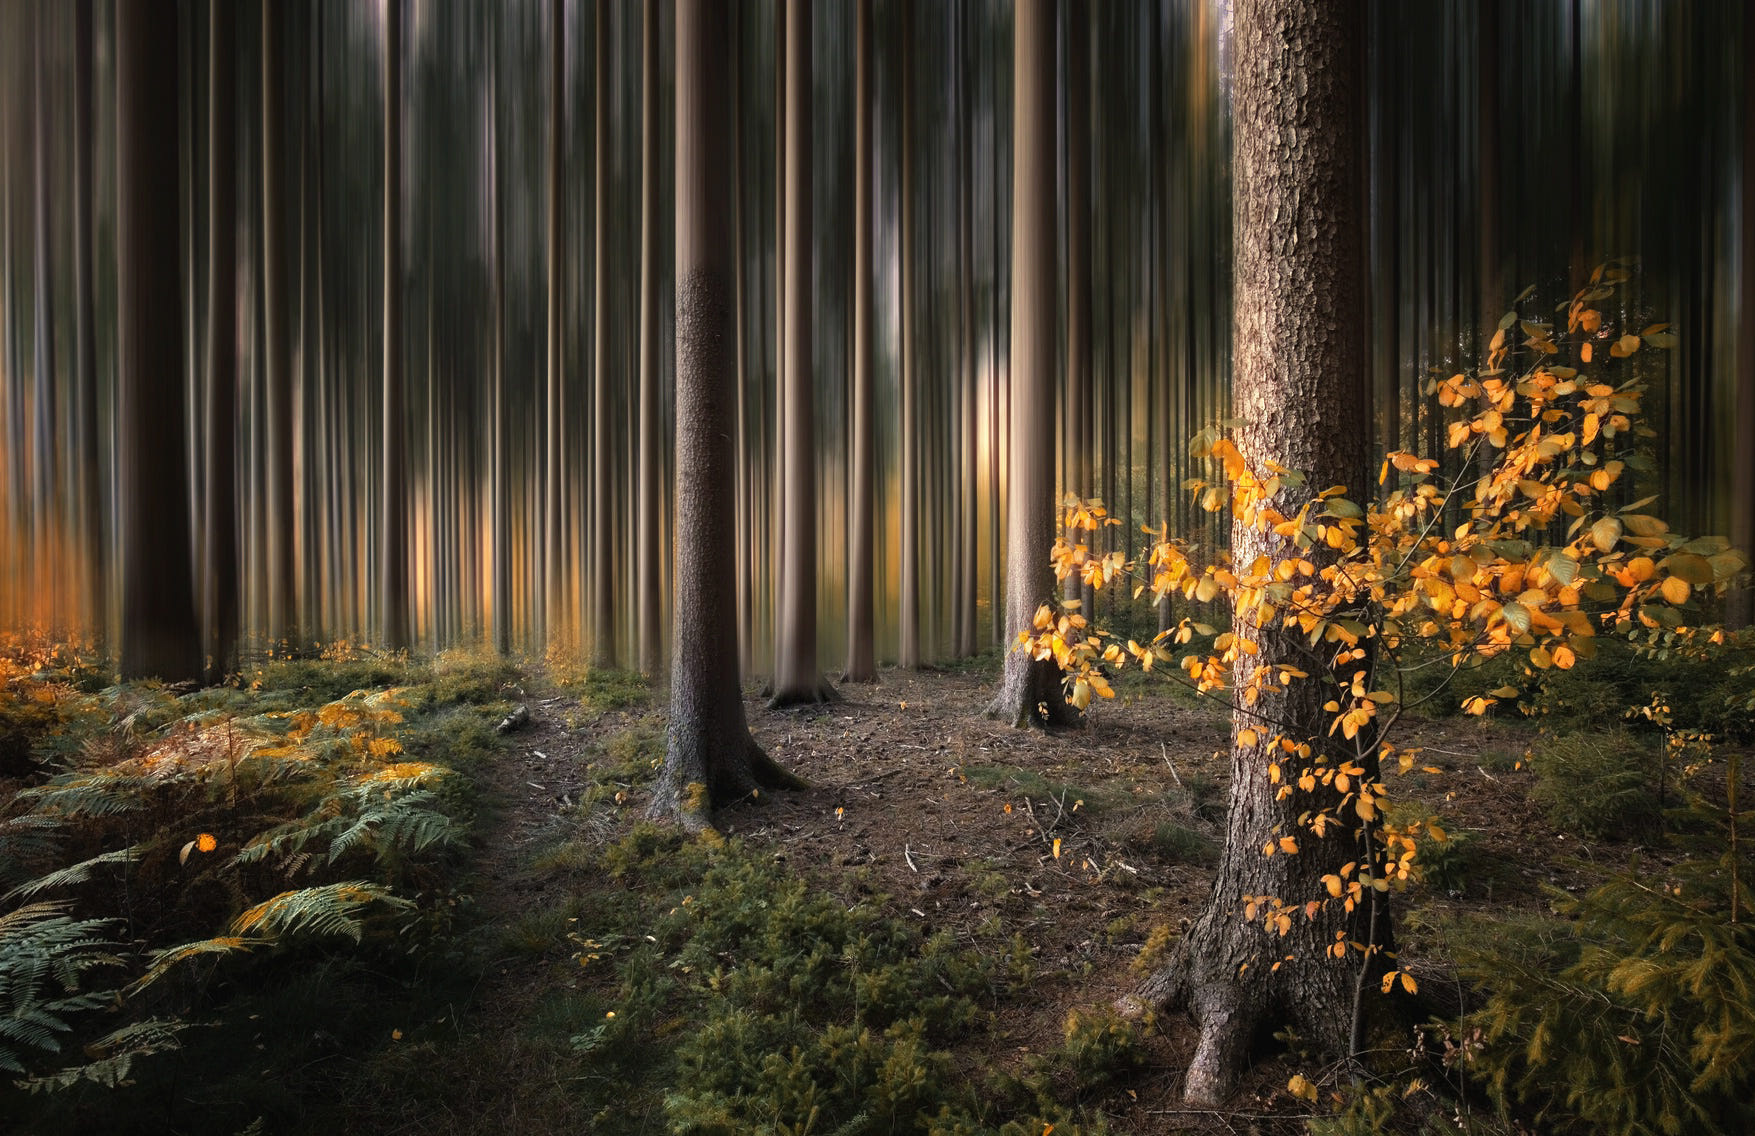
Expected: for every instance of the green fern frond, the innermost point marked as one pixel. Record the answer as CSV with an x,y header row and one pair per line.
x,y
72,874
96,793
164,961
329,909
115,1055
372,815
43,956
26,843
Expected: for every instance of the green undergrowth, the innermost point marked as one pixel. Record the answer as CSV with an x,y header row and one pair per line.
x,y
704,988
207,900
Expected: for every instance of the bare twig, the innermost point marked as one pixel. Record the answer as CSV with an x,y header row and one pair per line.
x,y
1174,776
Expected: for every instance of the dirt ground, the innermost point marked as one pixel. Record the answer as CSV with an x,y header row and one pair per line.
x,y
1082,840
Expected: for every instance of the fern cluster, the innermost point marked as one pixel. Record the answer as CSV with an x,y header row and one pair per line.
x,y
173,820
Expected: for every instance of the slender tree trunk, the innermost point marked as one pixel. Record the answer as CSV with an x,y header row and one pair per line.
x,y
220,578
46,540
554,495
1493,299
908,574
1300,394
1030,691
85,323
967,474
649,580
1080,438
603,546
393,516
499,489
861,650
710,759
276,350
797,677
159,636
1741,605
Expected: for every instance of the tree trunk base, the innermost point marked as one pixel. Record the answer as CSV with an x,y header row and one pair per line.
x,y
1031,695
817,693
694,787
1234,991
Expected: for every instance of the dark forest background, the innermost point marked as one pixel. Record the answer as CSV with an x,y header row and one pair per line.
x,y
1510,144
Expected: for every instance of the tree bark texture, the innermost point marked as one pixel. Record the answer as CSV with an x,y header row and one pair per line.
x,y
797,677
1300,396
711,760
159,636
1030,691
861,649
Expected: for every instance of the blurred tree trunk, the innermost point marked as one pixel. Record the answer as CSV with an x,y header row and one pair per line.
x,y
220,575
797,677
159,634
393,536
84,318
1301,396
554,556
861,559
1741,607
710,760
1080,437
45,541
499,491
967,475
282,582
908,576
603,550
1030,691
649,578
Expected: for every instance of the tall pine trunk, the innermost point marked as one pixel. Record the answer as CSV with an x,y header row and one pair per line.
x,y
908,569
393,515
861,652
797,677
1030,690
710,758
220,573
282,567
159,636
603,548
1300,395
649,578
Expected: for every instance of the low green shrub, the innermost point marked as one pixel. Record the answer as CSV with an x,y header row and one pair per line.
x,y
1600,785
1631,1015
755,1003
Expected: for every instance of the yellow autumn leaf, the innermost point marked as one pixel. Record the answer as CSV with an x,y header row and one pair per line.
x,y
1675,589
1246,737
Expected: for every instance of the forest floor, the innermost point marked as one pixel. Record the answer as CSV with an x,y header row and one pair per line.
x,y
1083,841
1000,888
